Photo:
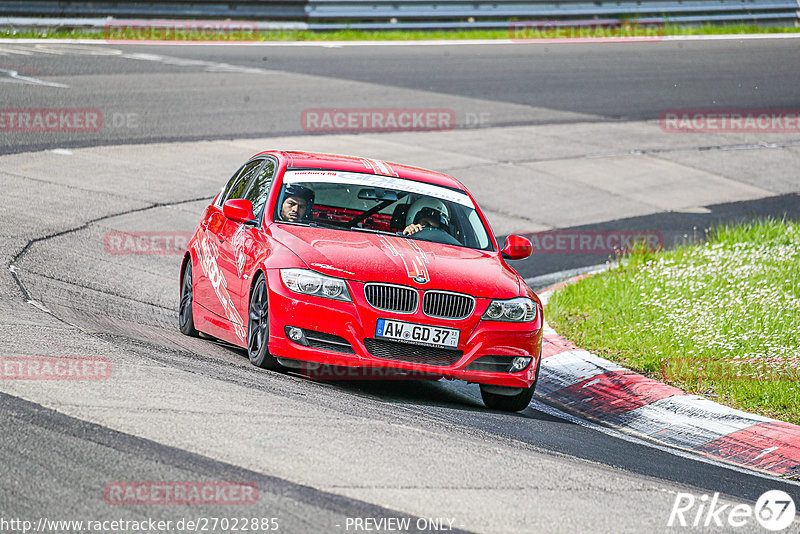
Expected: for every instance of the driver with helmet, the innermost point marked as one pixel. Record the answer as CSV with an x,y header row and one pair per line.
x,y
297,203
426,212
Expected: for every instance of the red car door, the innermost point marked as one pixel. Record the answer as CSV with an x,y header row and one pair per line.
x,y
218,286
222,273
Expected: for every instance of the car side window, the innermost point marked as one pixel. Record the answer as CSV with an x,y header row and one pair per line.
x,y
236,185
259,187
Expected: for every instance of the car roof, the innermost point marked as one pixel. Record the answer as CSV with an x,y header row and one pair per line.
x,y
312,160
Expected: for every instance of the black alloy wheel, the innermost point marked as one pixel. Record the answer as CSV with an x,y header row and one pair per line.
x,y
185,316
258,327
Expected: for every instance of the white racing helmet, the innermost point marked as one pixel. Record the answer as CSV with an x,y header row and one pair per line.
x,y
426,206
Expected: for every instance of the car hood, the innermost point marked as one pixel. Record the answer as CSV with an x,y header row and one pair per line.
x,y
368,257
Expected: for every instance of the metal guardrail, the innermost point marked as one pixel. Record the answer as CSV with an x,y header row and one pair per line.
x,y
429,14
421,14
448,9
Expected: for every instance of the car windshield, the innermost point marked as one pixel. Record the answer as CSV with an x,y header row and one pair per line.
x,y
359,202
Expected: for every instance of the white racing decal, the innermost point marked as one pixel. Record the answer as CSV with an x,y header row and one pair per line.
x,y
377,180
330,267
241,262
414,258
207,252
380,167
237,241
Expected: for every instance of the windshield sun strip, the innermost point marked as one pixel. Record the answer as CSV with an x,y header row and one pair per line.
x,y
458,196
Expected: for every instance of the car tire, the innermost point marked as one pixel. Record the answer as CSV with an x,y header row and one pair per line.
x,y
185,315
258,327
511,403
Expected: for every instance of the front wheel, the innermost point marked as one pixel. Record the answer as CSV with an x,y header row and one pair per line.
x,y
258,328
507,403
517,402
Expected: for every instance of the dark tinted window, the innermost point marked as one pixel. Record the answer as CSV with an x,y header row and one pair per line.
x,y
236,186
259,188
350,201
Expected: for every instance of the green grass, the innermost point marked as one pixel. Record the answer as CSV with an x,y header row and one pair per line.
x,y
721,319
410,35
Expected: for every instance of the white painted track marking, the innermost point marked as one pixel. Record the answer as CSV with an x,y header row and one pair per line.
x,y
452,42
14,77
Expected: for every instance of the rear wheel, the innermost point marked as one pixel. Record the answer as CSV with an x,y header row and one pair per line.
x,y
258,327
185,316
516,402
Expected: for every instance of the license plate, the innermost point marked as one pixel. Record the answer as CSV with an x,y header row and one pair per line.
x,y
417,334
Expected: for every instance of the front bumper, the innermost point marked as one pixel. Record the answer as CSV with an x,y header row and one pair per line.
x,y
355,324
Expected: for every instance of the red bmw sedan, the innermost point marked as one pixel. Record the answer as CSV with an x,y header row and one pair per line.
x,y
308,259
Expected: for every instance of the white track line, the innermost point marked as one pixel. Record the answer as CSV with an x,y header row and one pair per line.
x,y
443,42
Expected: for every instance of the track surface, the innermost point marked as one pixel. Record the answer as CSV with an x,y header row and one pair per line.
x,y
183,409
174,98
583,97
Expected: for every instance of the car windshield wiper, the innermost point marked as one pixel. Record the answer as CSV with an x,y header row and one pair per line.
x,y
313,224
374,231
322,224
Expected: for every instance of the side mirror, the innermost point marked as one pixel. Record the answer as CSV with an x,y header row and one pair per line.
x,y
239,210
517,248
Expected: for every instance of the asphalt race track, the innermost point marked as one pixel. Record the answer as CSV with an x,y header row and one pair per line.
x,y
262,88
548,138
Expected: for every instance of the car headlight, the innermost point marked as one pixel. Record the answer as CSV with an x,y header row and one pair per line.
x,y
312,283
518,310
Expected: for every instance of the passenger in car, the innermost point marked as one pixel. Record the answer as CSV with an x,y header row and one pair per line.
x,y
426,218
426,213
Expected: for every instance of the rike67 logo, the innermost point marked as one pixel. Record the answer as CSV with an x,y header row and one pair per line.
x,y
774,511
